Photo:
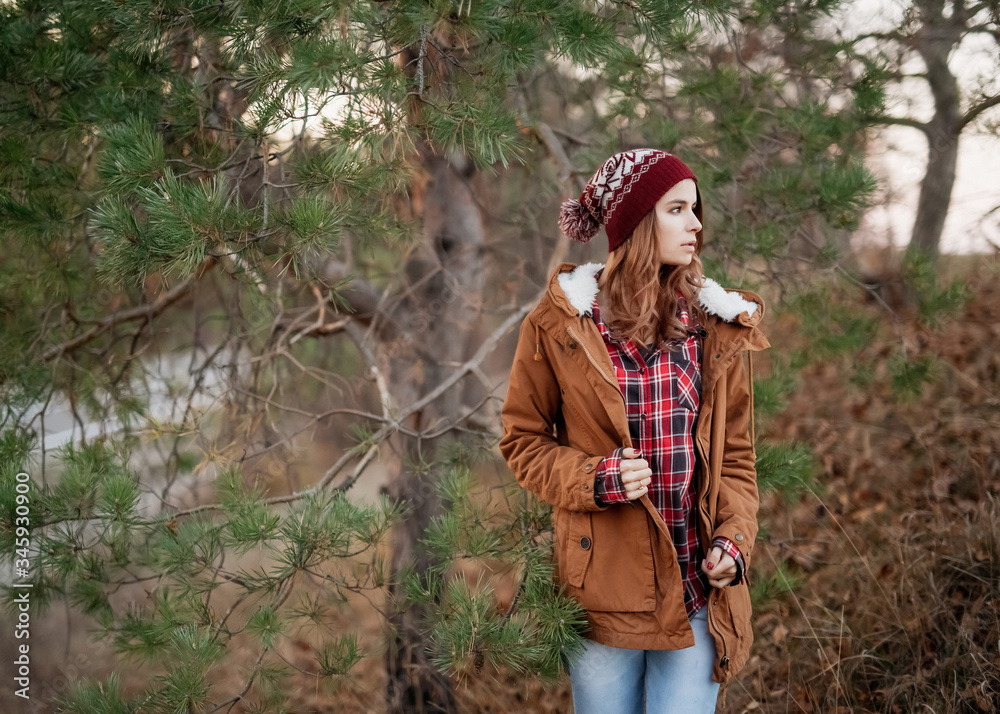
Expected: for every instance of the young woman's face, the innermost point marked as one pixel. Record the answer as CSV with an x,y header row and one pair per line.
x,y
676,224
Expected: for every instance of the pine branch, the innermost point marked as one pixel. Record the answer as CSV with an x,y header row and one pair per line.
x,y
142,312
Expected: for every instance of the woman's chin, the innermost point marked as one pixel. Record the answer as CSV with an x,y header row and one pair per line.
x,y
679,261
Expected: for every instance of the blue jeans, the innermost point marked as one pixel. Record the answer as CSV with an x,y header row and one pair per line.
x,y
609,680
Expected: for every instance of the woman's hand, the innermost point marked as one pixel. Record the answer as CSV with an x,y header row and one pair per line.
x,y
719,566
636,475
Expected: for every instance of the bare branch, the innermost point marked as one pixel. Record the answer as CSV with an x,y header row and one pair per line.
x,y
391,426
362,297
142,312
976,110
567,172
572,137
385,396
556,151
979,7
891,36
904,121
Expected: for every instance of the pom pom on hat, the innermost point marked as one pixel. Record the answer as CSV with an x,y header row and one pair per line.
x,y
577,222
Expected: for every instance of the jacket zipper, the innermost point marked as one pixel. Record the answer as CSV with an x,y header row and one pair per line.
x,y
713,626
703,509
702,502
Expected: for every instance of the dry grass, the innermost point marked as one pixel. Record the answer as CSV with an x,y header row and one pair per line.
x,y
900,607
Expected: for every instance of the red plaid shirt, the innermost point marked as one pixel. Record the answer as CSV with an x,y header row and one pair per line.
x,y
662,392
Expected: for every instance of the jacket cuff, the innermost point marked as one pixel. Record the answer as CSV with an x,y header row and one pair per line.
x,y
583,496
608,486
738,535
729,547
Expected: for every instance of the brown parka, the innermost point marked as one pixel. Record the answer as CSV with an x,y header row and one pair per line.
x,y
564,412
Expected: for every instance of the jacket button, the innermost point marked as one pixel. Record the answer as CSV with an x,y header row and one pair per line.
x,y
590,467
739,536
724,661
585,543
572,345
703,332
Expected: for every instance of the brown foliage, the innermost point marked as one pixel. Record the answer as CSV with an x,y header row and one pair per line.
x,y
900,555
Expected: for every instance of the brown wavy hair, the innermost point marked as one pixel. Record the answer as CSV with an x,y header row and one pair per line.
x,y
641,295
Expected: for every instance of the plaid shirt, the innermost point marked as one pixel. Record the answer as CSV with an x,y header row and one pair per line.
x,y
662,392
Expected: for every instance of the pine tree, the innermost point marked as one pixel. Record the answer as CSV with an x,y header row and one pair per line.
x,y
289,195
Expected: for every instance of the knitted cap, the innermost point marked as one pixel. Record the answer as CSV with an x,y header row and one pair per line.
x,y
621,193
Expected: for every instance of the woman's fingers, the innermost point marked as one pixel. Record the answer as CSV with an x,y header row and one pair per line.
x,y
722,579
720,568
636,476
637,467
636,489
636,485
637,482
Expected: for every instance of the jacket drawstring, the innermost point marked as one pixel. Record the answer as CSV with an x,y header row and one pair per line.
x,y
538,345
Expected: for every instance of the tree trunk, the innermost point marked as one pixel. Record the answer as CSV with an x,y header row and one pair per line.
x,y
934,45
445,276
935,192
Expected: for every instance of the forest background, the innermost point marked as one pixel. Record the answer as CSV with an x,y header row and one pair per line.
x,y
264,267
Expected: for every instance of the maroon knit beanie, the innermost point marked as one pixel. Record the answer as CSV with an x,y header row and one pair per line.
x,y
621,193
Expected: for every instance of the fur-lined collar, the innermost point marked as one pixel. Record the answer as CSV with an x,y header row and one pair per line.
x,y
580,287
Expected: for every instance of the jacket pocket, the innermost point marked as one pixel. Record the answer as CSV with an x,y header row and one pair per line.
x,y
740,608
687,382
606,560
733,611
574,545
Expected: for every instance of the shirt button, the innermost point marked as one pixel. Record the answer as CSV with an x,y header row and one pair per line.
x,y
643,416
642,370
585,543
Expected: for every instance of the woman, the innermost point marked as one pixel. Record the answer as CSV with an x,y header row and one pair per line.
x,y
630,410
